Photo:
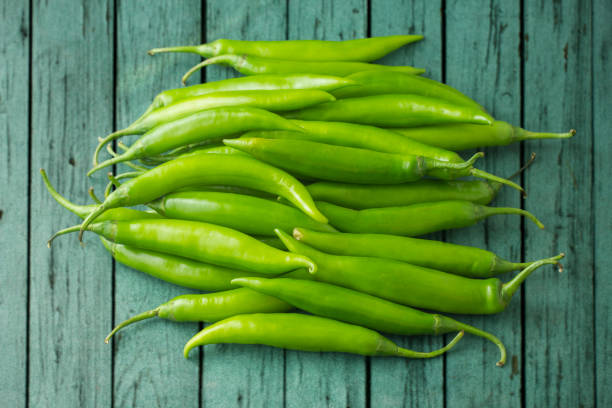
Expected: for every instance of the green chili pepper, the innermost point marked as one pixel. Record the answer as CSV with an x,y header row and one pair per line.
x,y
364,49
443,256
176,270
251,65
379,83
415,219
413,285
252,83
354,165
305,333
275,100
349,306
393,110
464,136
248,214
203,126
202,242
205,169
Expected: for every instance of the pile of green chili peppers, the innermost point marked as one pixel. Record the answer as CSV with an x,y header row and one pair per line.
x,y
292,197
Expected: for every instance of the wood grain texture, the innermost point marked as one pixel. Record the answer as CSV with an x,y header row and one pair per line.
x,y
602,194
559,361
237,375
399,382
149,369
482,60
70,285
14,147
326,379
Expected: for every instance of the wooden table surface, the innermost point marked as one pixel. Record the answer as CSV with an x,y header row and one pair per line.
x,y
71,71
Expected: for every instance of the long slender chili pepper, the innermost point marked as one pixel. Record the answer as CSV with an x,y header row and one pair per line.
x,y
216,169
413,285
248,214
202,242
393,110
252,83
354,165
335,302
209,124
274,100
365,137
457,259
415,219
306,333
379,83
464,136
364,49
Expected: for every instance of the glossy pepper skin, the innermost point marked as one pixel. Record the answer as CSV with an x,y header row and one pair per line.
x,y
252,65
208,169
248,214
363,49
252,83
393,110
380,83
274,100
456,259
464,136
347,164
413,285
353,307
304,332
202,242
204,126
415,219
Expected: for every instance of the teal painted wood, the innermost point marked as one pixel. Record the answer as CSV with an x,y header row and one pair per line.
x,y
149,369
237,375
559,362
398,382
70,286
326,379
602,195
482,60
14,145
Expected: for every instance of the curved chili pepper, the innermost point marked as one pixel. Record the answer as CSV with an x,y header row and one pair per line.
x,y
380,83
203,126
413,285
252,65
393,111
363,49
305,333
353,307
274,100
248,214
464,136
214,170
415,219
457,259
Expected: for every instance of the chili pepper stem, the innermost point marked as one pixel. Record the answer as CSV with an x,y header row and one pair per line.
x,y
123,132
488,176
61,232
509,288
519,134
142,316
199,66
89,219
417,354
489,211
93,196
110,150
496,186
204,50
117,159
80,210
448,324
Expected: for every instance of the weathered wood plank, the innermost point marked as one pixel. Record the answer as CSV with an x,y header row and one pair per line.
x,y
148,364
602,195
14,177
399,382
559,364
325,379
482,60
236,375
70,286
